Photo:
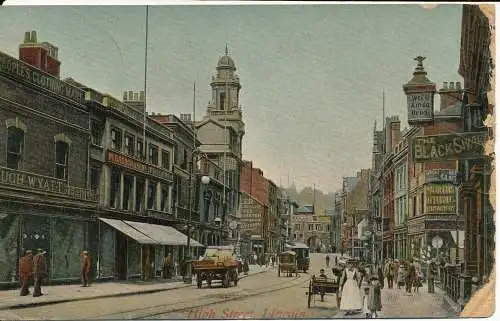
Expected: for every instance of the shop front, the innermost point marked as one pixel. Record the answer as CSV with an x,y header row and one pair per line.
x,y
132,249
63,233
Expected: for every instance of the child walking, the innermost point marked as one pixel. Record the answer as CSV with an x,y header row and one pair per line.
x,y
374,296
366,298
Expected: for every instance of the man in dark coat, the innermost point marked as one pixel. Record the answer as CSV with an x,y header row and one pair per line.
x,y
39,271
167,266
431,274
26,272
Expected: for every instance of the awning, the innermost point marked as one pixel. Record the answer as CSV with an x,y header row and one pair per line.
x,y
164,235
128,230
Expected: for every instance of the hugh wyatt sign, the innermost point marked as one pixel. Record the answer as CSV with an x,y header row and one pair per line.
x,y
448,147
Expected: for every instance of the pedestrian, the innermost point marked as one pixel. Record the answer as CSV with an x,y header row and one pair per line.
x,y
410,277
327,260
401,276
85,270
375,296
40,271
167,266
431,274
388,273
352,301
366,309
380,274
26,272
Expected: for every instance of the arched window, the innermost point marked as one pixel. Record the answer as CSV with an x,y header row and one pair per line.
x,y
15,146
62,152
222,101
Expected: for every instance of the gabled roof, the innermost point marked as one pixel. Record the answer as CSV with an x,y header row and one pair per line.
x,y
209,120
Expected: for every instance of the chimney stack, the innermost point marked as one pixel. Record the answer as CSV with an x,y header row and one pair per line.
x,y
450,94
43,56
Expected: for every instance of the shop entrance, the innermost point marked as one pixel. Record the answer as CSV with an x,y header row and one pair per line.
x,y
121,256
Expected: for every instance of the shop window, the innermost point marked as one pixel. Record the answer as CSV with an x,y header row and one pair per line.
x,y
62,151
115,188
422,203
151,195
128,182
15,147
96,131
139,195
130,144
165,159
153,154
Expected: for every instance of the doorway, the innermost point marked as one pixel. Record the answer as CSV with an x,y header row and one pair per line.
x,y
121,256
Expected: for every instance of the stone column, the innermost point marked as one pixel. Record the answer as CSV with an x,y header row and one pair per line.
x,y
134,193
146,191
170,188
105,185
158,196
122,189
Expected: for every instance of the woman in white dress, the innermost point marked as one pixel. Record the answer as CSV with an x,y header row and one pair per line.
x,y
352,300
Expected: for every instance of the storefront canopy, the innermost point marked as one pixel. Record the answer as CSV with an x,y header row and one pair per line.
x,y
164,235
128,230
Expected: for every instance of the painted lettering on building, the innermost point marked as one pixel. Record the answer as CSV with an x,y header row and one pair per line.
x,y
448,147
420,106
38,183
441,176
440,199
138,166
24,72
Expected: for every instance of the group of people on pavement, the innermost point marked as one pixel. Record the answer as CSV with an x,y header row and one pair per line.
x,y
34,268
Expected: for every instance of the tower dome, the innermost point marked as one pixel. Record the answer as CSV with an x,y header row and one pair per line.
x,y
226,61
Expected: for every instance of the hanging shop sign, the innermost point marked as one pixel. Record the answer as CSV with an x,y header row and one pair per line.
x,y
138,166
448,147
24,72
44,184
441,176
440,199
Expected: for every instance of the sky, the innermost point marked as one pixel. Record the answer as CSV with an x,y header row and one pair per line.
x,y
312,75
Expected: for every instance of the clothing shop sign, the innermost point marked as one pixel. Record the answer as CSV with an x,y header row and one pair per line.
x,y
440,199
138,166
39,183
24,72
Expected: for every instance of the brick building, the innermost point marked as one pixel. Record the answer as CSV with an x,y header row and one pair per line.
x,y
46,200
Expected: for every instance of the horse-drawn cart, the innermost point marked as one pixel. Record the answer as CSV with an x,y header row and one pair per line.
x,y
218,264
287,263
321,286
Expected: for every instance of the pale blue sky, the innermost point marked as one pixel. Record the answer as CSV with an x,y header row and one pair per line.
x,y
312,76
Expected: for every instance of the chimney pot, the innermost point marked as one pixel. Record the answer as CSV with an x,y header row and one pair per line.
x,y
33,36
452,85
445,85
27,37
458,85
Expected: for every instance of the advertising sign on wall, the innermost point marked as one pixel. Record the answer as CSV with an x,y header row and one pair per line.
x,y
448,147
441,176
440,199
420,106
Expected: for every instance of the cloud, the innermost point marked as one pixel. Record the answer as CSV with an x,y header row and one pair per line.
x,y
429,5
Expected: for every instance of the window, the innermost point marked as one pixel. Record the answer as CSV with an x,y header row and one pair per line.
x,y
128,185
184,164
297,227
116,139
165,159
115,188
139,195
15,147
153,154
130,144
311,227
151,195
62,149
222,101
422,203
414,206
95,174
96,133
140,149
164,199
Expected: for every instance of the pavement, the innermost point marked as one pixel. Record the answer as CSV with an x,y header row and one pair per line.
x,y
10,299
396,303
